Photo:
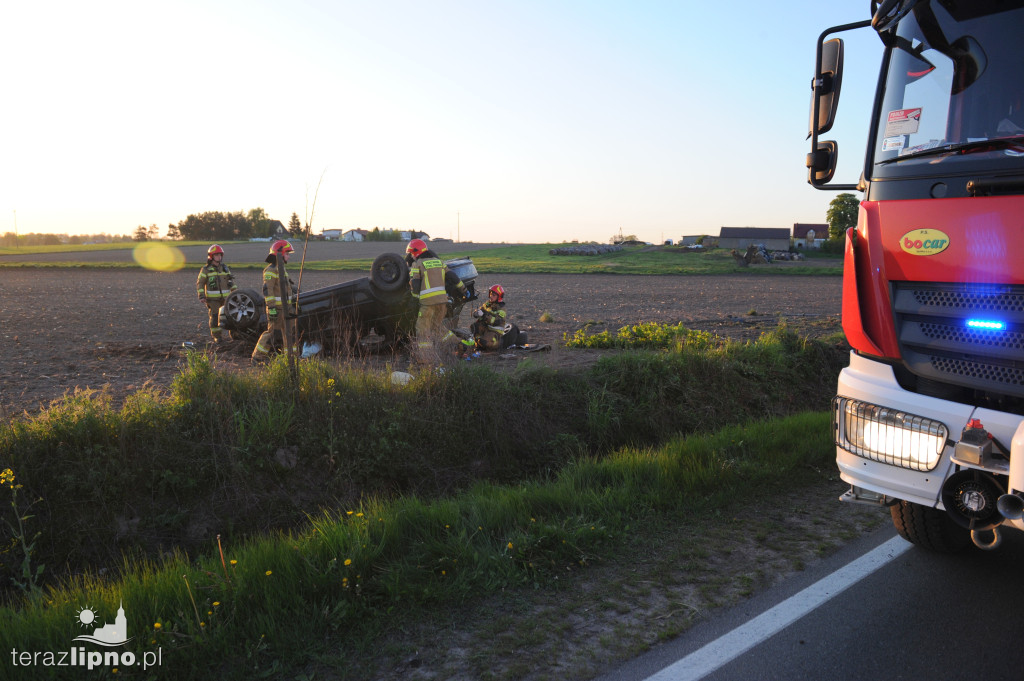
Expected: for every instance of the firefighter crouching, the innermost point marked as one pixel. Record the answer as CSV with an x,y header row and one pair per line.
x,y
213,286
489,326
280,296
427,282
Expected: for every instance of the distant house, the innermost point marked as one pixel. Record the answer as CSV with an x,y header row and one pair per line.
x,y
807,235
408,234
354,235
330,234
774,238
690,239
278,230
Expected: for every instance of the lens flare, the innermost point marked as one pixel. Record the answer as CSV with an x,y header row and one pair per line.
x,y
154,255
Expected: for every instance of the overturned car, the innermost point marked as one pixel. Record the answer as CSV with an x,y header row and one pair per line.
x,y
339,317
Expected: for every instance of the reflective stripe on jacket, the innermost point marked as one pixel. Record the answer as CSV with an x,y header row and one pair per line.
x,y
273,294
215,282
426,279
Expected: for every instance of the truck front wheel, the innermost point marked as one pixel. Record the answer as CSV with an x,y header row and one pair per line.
x,y
929,528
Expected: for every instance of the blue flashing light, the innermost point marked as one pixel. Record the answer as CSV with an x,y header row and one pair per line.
x,y
986,324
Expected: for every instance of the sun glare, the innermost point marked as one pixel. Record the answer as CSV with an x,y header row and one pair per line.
x,y
159,257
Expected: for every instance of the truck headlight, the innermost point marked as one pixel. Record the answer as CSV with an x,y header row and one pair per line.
x,y
888,435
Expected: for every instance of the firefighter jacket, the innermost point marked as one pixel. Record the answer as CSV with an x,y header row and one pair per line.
x,y
274,293
426,280
215,282
494,316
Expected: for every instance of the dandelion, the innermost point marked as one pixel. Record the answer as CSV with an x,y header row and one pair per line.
x,y
510,546
348,561
359,515
234,562
209,612
269,572
443,573
216,603
202,624
157,625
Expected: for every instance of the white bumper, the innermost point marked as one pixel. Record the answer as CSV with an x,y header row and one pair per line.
x,y
874,382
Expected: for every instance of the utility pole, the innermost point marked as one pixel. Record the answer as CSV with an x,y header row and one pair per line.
x,y
458,226
15,230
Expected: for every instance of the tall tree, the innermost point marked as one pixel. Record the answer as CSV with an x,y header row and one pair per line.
x,y
172,232
295,226
841,215
153,232
260,222
141,234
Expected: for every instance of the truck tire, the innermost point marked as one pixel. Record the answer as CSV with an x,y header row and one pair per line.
x,y
929,528
389,272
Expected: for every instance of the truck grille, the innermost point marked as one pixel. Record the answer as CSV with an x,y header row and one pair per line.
x,y
936,343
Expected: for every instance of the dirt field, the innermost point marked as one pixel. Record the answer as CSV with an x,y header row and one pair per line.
x,y
64,329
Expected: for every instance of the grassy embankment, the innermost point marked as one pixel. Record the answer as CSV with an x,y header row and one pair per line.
x,y
344,501
524,259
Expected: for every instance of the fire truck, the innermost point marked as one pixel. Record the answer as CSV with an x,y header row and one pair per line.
x,y
928,419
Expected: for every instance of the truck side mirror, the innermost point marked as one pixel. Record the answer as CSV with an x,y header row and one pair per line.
x,y
821,163
826,86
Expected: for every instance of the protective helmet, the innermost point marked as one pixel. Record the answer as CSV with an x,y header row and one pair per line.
x,y
499,291
280,246
416,247
214,250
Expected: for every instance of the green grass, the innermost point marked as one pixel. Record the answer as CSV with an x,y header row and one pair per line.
x,y
517,259
536,259
277,601
342,501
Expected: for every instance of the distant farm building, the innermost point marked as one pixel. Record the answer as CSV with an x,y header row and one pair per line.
x,y
355,235
806,235
773,238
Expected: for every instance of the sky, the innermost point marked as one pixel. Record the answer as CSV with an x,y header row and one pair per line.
x,y
489,121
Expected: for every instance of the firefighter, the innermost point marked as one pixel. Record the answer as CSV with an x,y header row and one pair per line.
x,y
427,282
276,293
489,326
213,286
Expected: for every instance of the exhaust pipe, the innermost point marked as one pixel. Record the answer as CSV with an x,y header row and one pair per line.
x,y
1011,506
977,536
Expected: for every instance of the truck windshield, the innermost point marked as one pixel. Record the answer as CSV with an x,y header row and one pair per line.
x,y
954,90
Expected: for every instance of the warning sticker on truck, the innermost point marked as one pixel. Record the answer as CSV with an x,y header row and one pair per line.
x,y
902,122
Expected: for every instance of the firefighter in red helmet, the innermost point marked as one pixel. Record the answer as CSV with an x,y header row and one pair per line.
x,y
489,326
427,281
280,296
213,286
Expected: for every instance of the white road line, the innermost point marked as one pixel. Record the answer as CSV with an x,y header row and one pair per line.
x,y
728,647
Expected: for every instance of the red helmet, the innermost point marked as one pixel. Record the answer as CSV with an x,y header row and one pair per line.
x,y
498,291
416,247
280,246
214,250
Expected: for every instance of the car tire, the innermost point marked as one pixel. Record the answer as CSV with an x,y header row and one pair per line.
x,y
929,528
389,272
242,310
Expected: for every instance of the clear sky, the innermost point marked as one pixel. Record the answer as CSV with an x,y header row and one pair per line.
x,y
489,120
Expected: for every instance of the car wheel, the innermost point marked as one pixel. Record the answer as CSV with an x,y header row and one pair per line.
x,y
242,309
929,527
389,272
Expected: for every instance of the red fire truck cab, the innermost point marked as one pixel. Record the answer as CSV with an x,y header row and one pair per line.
x,y
929,415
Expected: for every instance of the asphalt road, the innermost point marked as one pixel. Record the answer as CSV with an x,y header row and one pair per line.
x,y
916,616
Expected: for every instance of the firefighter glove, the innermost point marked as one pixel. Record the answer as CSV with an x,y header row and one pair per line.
x,y
478,313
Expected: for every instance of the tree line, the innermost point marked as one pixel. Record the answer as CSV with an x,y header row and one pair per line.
x,y
220,226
